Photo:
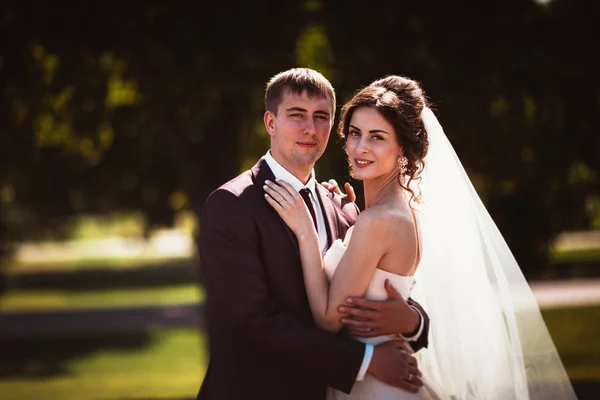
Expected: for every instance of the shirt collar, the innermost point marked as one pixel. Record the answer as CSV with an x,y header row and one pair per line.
x,y
281,173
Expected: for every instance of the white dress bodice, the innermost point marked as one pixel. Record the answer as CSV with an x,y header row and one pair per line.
x,y
376,290
370,388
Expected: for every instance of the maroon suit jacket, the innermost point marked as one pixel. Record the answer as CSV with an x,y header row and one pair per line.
x,y
262,338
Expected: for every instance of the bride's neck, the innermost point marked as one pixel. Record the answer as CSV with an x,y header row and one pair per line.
x,y
378,189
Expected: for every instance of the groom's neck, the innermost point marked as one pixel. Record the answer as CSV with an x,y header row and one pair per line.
x,y
303,173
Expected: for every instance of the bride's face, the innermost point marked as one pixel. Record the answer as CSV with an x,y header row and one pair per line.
x,y
372,145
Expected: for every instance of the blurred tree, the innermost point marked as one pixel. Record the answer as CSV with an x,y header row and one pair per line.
x,y
114,106
516,88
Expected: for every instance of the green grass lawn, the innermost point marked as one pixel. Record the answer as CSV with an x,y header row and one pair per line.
x,y
170,367
576,334
172,364
24,300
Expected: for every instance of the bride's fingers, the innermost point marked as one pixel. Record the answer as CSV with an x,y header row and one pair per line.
x,y
413,362
274,194
411,387
335,188
401,345
288,188
415,380
278,192
273,202
332,186
350,193
416,374
414,370
287,191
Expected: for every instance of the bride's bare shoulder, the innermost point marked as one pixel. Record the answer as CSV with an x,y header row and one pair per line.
x,y
385,221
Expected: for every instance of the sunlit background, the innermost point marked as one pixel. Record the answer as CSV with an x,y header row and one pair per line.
x,y
118,119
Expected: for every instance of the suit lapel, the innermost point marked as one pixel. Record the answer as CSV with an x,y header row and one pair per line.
x,y
261,172
330,216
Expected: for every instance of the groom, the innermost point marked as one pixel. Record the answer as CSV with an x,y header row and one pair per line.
x,y
263,340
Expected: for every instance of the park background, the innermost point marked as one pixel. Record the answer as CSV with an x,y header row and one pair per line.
x,y
119,118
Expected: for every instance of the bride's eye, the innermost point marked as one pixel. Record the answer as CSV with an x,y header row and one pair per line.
x,y
353,133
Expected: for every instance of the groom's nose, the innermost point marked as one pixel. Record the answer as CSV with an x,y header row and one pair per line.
x,y
310,128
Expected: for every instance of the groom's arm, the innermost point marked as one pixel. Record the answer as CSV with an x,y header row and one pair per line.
x,y
237,287
418,338
370,318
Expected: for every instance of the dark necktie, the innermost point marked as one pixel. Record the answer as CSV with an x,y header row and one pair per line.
x,y
305,193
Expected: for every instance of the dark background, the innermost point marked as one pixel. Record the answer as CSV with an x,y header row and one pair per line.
x,y
117,105
146,107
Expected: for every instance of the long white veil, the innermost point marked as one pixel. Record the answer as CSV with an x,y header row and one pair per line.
x,y
487,337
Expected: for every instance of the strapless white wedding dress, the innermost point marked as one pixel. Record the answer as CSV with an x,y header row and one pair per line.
x,y
370,388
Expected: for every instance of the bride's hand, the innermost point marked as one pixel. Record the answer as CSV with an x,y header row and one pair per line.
x,y
290,206
332,186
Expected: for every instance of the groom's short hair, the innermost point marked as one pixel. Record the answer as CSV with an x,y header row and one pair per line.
x,y
297,80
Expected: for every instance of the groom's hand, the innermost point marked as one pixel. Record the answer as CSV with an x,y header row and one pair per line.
x,y
392,364
370,318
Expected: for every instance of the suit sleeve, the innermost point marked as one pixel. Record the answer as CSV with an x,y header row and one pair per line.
x,y
422,341
237,286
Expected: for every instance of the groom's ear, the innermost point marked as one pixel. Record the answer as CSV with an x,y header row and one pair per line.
x,y
269,119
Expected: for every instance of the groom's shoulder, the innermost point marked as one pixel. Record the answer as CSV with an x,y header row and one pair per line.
x,y
238,185
234,191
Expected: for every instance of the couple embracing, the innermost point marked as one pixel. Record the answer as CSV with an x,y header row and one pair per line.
x,y
415,297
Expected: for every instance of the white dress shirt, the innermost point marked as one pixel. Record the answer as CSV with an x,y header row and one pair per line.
x,y
285,175
281,173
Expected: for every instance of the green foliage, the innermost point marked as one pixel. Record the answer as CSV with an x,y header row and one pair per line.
x,y
590,255
313,50
119,107
516,95
139,110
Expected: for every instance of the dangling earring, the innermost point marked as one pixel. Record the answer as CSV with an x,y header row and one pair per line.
x,y
402,163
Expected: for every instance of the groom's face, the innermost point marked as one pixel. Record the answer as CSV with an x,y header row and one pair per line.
x,y
300,130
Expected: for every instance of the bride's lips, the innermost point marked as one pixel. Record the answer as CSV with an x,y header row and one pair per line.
x,y
361,163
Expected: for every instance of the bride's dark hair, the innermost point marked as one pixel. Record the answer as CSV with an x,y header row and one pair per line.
x,y
400,101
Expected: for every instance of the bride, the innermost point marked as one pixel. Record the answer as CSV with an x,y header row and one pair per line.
x,y
425,231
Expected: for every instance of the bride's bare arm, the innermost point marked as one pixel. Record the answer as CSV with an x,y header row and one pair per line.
x,y
355,270
292,209
370,239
